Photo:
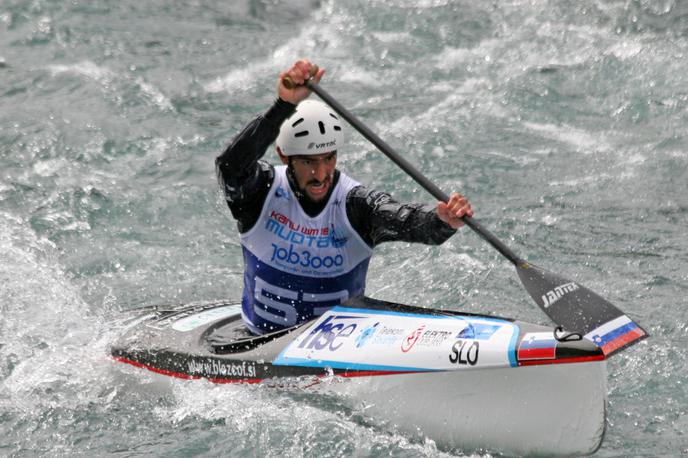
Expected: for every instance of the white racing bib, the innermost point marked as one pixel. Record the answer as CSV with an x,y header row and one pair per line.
x,y
297,267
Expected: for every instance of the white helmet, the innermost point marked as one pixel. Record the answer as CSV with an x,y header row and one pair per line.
x,y
313,129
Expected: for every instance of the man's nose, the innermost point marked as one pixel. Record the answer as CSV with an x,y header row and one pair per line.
x,y
320,171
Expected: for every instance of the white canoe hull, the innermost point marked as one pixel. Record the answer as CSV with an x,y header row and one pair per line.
x,y
466,382
535,410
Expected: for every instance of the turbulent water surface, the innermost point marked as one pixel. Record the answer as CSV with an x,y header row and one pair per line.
x,y
566,123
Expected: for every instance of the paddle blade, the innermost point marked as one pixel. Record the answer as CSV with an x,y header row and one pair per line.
x,y
576,308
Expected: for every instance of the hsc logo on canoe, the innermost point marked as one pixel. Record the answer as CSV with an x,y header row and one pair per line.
x,y
331,333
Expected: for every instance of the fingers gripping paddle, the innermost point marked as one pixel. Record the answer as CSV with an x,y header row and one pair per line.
x,y
567,303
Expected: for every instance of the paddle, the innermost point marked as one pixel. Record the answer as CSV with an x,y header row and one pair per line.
x,y
567,303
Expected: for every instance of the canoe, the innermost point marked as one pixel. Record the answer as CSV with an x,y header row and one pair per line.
x,y
466,381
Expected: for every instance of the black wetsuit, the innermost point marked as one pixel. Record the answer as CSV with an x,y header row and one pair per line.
x,y
375,215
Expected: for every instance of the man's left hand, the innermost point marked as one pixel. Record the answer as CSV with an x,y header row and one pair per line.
x,y
452,211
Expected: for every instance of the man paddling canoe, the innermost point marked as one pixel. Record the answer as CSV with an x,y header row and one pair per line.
x,y
307,229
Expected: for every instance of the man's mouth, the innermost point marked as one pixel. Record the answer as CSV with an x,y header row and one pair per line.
x,y
318,188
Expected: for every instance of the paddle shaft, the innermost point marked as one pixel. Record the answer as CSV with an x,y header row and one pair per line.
x,y
407,167
570,305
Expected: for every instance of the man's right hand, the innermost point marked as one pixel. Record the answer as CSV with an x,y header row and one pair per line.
x,y
298,73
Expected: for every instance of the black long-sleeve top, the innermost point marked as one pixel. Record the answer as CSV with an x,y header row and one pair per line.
x,y
375,215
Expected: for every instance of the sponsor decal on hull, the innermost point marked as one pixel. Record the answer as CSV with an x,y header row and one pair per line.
x,y
215,378
215,368
478,331
331,333
411,339
351,339
425,338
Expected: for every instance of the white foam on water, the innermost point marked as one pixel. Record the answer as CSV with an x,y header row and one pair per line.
x,y
358,75
415,4
582,141
235,79
451,58
106,77
311,38
154,94
85,68
626,49
243,78
521,159
256,417
635,159
549,220
46,329
391,37
50,167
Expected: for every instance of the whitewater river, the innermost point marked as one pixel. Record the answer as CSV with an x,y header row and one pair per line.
x,y
566,124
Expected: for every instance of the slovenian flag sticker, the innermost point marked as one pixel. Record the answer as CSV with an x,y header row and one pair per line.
x,y
537,345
